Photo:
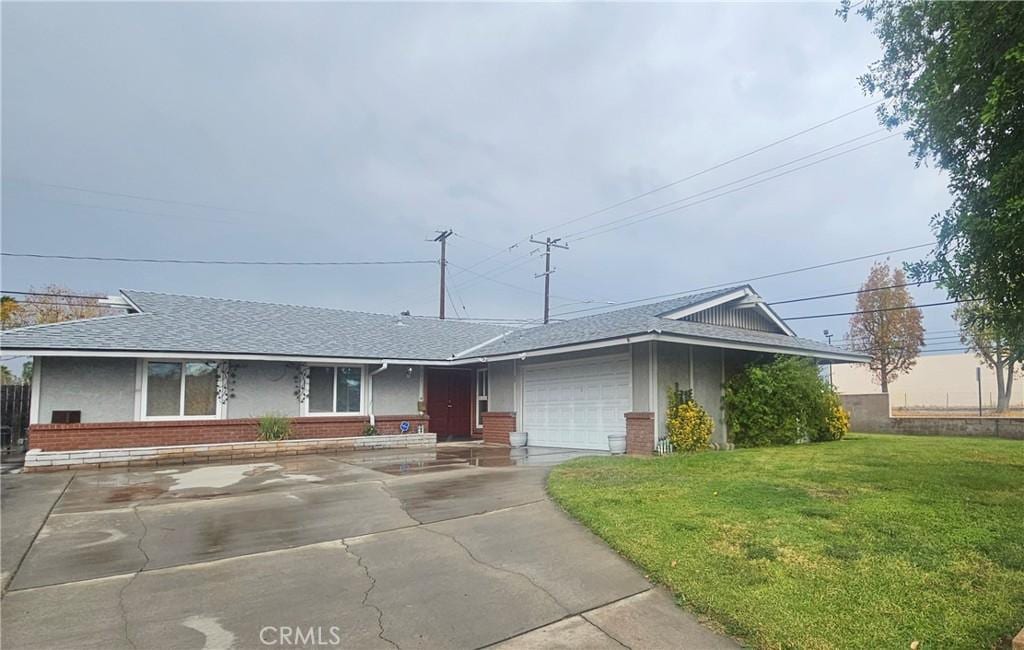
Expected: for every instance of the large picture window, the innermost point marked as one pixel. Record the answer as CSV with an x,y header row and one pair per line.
x,y
482,393
335,389
181,389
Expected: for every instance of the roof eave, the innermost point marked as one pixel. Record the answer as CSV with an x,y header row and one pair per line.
x,y
656,335
221,356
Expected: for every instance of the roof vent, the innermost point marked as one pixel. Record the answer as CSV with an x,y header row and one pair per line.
x,y
116,302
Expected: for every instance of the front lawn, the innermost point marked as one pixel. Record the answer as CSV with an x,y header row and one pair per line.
x,y
871,542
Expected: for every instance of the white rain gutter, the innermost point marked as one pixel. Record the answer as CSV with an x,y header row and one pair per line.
x,y
369,390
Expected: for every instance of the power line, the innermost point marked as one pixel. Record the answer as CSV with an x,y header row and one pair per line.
x,y
710,169
638,217
455,307
148,260
681,180
493,273
755,278
616,224
50,295
745,178
882,309
141,197
147,213
55,303
850,293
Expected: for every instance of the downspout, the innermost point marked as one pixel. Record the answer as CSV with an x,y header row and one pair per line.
x,y
369,390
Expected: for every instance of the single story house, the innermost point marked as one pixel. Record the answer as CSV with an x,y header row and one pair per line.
x,y
178,369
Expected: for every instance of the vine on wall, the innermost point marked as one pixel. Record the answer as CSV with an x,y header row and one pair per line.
x,y
227,375
301,379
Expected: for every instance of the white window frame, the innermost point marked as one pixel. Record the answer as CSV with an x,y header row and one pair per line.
x,y
218,414
486,397
305,412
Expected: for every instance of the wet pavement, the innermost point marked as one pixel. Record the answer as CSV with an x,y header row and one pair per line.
x,y
456,547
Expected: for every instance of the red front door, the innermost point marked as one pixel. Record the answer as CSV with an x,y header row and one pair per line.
x,y
449,402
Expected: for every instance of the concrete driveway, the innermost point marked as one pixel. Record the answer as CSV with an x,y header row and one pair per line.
x,y
454,548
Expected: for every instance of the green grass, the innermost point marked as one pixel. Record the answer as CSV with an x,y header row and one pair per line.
x,y
871,542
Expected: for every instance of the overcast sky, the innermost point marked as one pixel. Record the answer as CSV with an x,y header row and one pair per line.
x,y
352,132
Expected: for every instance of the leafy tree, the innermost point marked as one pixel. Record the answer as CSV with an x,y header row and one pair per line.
x,y
994,346
887,326
952,74
7,377
57,304
11,313
26,372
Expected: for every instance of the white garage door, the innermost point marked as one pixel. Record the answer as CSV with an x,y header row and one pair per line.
x,y
576,404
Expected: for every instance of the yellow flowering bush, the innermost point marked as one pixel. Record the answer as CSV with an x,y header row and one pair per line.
x,y
837,420
689,425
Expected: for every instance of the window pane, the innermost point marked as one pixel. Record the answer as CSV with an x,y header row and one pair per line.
x,y
163,388
321,385
349,380
481,383
200,389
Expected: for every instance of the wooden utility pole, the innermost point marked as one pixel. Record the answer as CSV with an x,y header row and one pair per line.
x,y
442,236
548,243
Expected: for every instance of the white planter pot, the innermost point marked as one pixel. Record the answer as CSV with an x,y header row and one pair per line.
x,y
517,439
617,443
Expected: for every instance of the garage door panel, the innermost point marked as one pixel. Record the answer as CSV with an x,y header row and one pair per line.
x,y
577,404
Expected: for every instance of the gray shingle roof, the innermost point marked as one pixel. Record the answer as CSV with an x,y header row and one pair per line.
x,y
644,319
190,324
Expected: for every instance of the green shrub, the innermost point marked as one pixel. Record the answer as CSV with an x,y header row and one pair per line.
x,y
275,427
782,402
689,425
836,419
370,430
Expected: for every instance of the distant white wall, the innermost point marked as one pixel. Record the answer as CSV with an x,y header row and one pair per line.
x,y
935,381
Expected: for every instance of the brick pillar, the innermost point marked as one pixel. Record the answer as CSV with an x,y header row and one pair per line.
x,y
497,426
640,432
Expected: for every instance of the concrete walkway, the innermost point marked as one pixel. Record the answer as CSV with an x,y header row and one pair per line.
x,y
458,548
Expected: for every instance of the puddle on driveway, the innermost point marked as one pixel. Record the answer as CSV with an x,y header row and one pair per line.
x,y
106,489
447,457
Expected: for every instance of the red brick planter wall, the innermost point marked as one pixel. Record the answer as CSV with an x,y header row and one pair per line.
x,y
639,432
114,435
497,426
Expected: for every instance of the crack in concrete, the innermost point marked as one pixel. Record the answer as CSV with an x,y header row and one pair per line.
x,y
384,487
120,593
498,568
605,632
366,595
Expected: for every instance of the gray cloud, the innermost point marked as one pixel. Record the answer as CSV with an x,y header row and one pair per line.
x,y
353,131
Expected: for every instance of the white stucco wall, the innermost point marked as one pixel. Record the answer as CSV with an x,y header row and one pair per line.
x,y
102,389
396,391
263,388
